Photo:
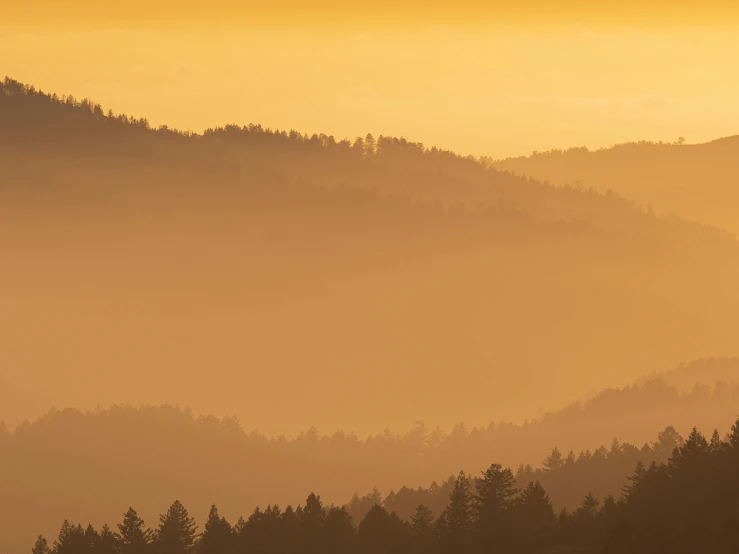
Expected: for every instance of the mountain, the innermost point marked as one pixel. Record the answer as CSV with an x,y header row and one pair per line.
x,y
699,373
697,181
84,465
333,282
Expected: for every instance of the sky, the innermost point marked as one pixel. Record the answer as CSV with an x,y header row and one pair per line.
x,y
516,79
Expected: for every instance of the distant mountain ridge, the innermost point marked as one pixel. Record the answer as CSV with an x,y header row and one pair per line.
x,y
702,372
697,181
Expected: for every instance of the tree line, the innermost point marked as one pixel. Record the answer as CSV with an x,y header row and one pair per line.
x,y
689,503
33,122
66,457
566,477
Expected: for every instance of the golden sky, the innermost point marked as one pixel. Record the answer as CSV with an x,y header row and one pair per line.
x,y
499,90
379,11
483,78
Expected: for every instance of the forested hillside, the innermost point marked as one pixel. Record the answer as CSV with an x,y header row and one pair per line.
x,y
684,504
567,477
78,465
230,269
297,281
703,371
697,181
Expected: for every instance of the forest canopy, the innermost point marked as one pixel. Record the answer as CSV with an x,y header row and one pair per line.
x,y
687,503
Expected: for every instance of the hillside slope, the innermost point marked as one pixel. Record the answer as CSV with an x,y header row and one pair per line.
x,y
331,282
697,181
82,465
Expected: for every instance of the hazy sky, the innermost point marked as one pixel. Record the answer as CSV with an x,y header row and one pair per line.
x,y
499,87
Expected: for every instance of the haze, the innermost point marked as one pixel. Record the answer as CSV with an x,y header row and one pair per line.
x,y
250,252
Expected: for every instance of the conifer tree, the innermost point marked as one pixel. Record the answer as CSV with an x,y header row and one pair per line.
x,y
41,546
495,491
217,534
338,531
734,436
688,458
534,508
133,536
106,542
71,539
589,507
494,498
92,537
459,516
177,532
554,461
422,521
382,533
311,523
635,480
716,445
423,529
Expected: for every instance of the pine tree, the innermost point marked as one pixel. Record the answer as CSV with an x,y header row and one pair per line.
x,y
495,491
107,543
338,531
534,508
494,498
667,441
459,515
382,533
217,534
71,539
311,523
423,529
553,461
92,539
635,480
734,436
689,457
133,536
716,445
177,531
422,521
589,507
369,145
41,546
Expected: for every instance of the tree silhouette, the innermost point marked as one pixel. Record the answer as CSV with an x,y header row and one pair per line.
x,y
493,503
107,542
423,529
177,532
338,531
41,546
133,536
217,534
459,517
382,533
534,509
686,505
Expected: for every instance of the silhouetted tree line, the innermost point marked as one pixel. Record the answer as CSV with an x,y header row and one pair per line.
x,y
690,503
37,124
567,478
67,457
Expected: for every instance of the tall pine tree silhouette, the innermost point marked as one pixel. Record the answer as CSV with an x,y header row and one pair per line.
x,y
177,532
459,517
133,536
217,535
